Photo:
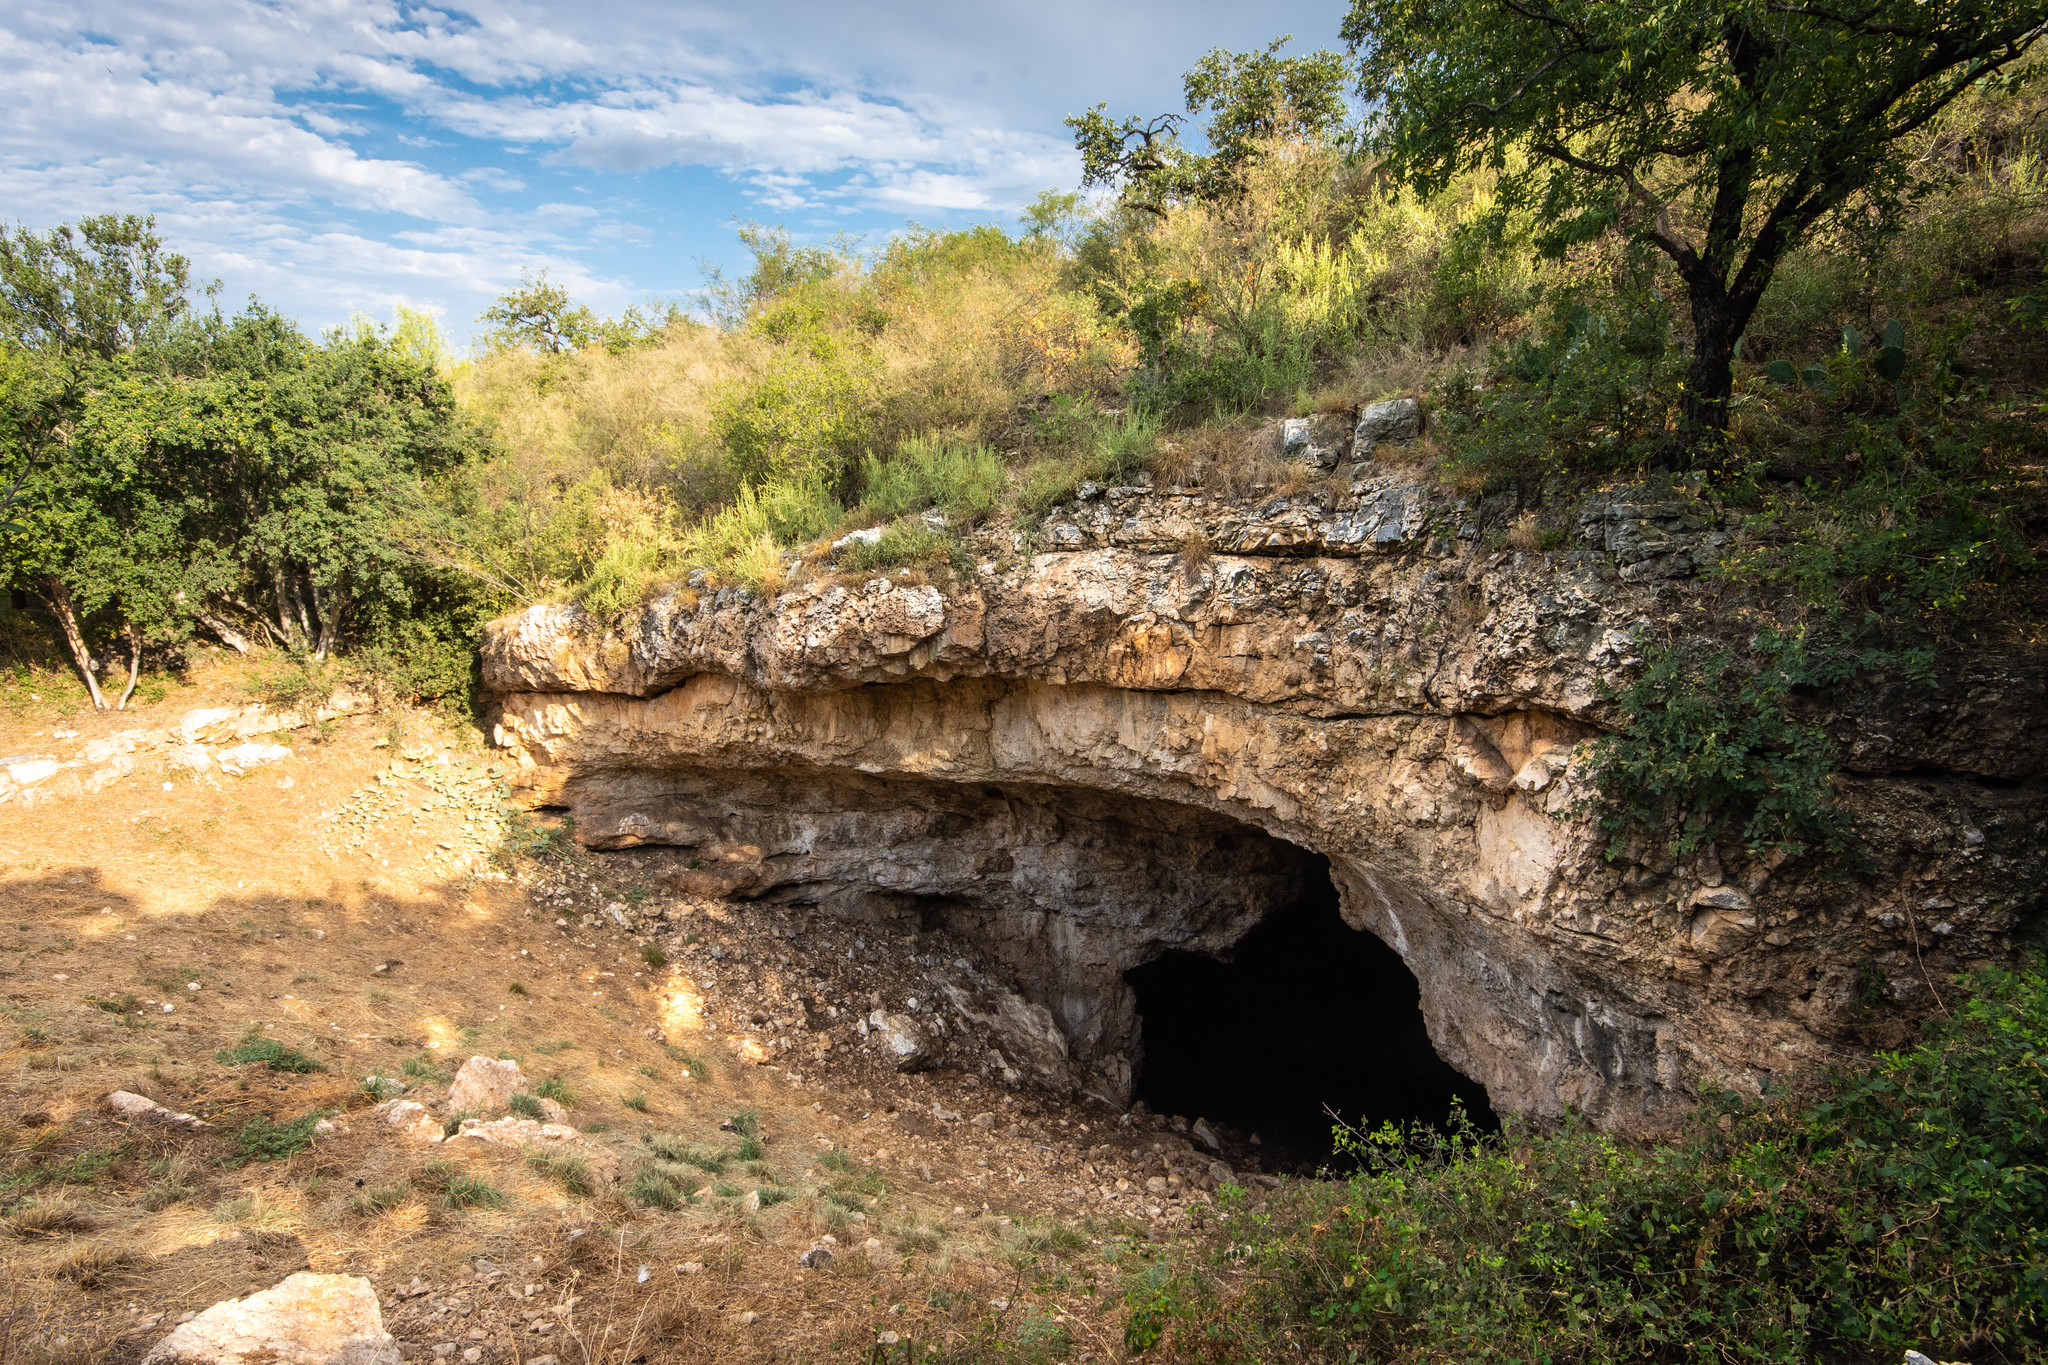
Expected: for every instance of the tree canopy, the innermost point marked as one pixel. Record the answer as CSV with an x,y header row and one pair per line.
x,y
1718,132
170,471
1249,97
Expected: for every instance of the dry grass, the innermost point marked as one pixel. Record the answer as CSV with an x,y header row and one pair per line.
x,y
1522,533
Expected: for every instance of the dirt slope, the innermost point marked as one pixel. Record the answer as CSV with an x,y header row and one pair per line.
x,y
363,903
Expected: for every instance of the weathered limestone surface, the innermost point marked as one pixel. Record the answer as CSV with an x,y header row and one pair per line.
x,y
1146,736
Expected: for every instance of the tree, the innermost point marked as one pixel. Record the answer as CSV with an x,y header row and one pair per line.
x,y
539,314
74,304
1718,132
1251,97
99,289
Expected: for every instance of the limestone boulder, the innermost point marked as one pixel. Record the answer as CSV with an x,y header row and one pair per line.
x,y
903,1040
1397,421
485,1085
410,1118
1317,442
307,1319
141,1107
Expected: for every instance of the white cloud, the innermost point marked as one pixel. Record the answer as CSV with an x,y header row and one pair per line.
x,y
347,154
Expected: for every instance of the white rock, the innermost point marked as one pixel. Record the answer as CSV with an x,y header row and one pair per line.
x,y
485,1085
410,1118
1206,1135
306,1320
204,718
141,1107
867,536
241,757
30,771
104,777
192,758
902,1039
1398,420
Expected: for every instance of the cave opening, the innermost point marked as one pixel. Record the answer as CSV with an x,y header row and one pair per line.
x,y
1307,1016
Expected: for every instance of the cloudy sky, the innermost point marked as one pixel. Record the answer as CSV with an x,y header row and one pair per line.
x,y
338,156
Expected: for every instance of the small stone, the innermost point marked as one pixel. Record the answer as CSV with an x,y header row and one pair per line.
x,y
814,1258
690,1268
748,1318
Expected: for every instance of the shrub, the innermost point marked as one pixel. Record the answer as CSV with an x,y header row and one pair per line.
x,y
672,1148
375,1199
962,480
902,545
658,1185
1709,750
572,1173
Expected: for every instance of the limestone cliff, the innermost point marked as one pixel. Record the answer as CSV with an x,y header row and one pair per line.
x,y
1138,726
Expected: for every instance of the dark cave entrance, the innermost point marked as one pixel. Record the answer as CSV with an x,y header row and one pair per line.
x,y
1308,1013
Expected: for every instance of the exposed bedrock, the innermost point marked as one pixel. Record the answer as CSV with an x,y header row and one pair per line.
x,y
1086,758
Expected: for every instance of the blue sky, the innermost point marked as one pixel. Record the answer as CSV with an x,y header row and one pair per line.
x,y
339,156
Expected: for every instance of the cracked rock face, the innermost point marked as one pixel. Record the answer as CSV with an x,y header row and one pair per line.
x,y
1088,756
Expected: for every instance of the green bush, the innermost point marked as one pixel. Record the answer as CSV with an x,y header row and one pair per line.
x,y
964,481
811,409
1905,1207
902,545
1088,448
1708,750
473,1192
572,1173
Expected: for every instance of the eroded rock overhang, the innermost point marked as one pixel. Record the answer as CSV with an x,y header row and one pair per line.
x,y
1088,757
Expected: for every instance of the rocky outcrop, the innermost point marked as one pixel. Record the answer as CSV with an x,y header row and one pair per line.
x,y
1145,723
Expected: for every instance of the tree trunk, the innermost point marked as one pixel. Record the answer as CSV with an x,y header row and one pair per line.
x,y
222,631
332,610
59,598
1703,414
281,588
134,666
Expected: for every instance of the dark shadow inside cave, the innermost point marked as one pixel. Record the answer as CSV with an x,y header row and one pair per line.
x,y
1308,1014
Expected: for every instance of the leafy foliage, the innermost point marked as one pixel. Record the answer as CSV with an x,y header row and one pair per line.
x,y
1709,751
1717,132
1253,98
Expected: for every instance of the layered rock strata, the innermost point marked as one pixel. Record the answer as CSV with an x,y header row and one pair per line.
x,y
1141,725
